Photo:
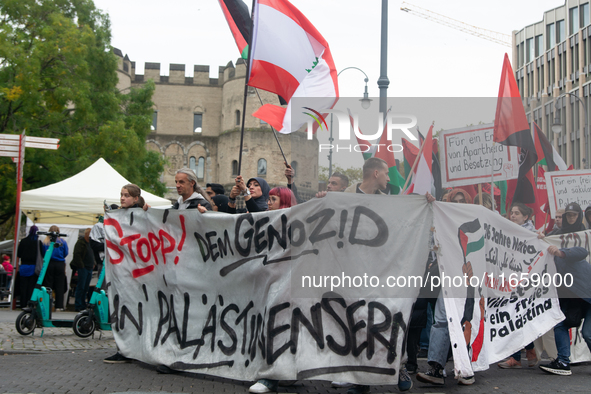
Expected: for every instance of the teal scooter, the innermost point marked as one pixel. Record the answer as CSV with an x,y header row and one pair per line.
x,y
37,313
96,314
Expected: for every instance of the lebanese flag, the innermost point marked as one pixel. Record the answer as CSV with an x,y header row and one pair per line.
x,y
423,177
238,18
289,57
512,129
546,152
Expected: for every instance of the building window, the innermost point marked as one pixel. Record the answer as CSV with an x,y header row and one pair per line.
x,y
529,50
262,167
238,120
560,31
584,14
192,164
573,25
550,36
200,168
539,45
154,121
197,123
234,167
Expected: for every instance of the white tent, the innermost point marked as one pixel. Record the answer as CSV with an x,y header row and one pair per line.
x,y
79,199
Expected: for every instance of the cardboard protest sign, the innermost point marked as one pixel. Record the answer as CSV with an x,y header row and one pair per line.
x,y
226,295
468,156
565,187
504,298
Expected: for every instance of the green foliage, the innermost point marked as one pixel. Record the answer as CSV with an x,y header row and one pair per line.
x,y
355,175
58,79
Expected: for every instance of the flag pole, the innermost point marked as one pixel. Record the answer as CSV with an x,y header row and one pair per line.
x,y
492,178
246,78
272,128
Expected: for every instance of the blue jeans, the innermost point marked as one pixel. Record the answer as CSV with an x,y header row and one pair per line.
x,y
439,338
562,338
84,277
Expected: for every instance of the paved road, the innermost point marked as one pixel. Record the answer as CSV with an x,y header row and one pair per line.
x,y
60,362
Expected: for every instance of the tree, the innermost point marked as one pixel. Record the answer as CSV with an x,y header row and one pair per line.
x,y
355,175
58,78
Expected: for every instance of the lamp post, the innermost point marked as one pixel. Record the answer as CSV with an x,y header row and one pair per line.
x,y
383,80
557,124
365,103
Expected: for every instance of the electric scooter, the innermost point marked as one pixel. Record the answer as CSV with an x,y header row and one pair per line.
x,y
96,314
37,313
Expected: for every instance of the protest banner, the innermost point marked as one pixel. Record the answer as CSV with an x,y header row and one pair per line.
x,y
579,351
565,187
216,293
509,301
467,157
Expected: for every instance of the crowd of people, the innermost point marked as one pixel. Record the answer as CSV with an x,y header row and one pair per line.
x,y
258,196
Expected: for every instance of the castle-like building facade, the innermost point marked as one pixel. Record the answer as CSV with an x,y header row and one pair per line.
x,y
196,124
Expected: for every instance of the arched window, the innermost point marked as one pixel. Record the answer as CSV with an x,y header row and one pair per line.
x,y
192,163
262,167
238,118
234,167
200,167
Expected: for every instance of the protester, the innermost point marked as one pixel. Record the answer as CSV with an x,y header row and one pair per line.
x,y
575,302
336,183
289,175
557,221
521,214
220,203
55,276
439,342
588,216
572,219
191,196
214,189
29,251
83,261
279,198
487,202
130,198
255,193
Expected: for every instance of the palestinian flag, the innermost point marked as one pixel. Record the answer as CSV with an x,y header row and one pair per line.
x,y
547,155
423,175
471,240
512,129
436,168
410,152
238,18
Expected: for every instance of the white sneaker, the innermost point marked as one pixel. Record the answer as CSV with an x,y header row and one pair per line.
x,y
341,385
259,388
466,381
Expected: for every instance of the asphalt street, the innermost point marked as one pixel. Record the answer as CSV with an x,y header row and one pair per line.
x,y
60,362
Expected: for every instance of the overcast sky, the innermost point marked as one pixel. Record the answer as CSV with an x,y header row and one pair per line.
x,y
425,59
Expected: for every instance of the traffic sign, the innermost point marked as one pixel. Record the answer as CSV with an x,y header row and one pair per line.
x,y
8,148
38,145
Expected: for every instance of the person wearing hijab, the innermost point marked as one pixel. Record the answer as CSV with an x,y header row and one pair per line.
x,y
220,203
572,219
460,196
255,193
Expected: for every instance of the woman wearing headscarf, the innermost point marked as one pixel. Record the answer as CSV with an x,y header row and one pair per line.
x,y
255,193
572,219
459,195
28,250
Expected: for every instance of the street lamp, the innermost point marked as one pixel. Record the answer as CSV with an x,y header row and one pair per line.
x,y
557,124
365,103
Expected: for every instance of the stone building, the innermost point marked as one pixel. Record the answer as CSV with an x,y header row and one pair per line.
x,y
196,124
552,65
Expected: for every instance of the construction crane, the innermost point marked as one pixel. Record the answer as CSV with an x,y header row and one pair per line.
x,y
499,38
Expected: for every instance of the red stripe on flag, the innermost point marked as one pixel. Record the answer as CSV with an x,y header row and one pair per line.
x,y
270,77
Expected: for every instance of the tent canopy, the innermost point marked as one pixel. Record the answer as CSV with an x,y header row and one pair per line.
x,y
79,199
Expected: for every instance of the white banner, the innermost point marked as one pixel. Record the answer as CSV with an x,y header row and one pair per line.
x,y
579,351
505,265
216,293
467,157
565,187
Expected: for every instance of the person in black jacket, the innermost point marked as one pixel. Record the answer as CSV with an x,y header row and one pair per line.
x,y
255,192
572,220
28,250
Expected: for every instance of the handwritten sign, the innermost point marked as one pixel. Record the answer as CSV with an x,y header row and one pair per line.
x,y
565,187
468,156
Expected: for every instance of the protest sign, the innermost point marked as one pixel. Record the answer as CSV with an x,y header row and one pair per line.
x,y
509,302
214,293
467,157
565,187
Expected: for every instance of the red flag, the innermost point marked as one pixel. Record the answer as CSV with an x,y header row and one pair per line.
x,y
423,175
541,199
512,129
